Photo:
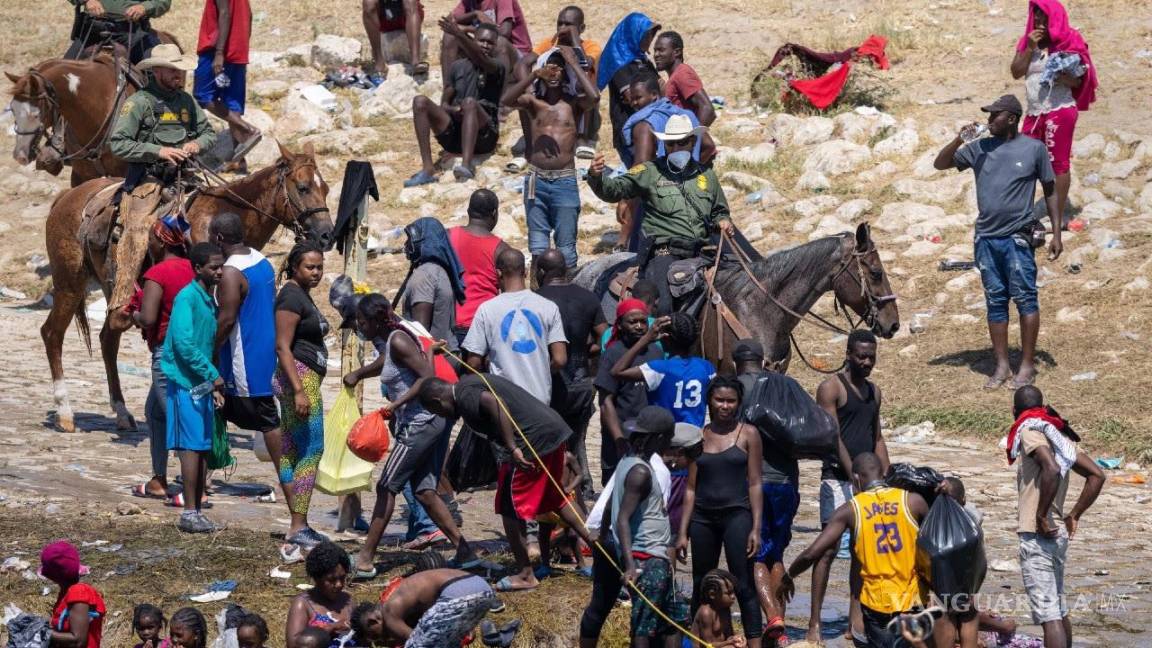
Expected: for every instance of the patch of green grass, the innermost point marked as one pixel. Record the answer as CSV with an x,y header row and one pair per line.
x,y
981,424
864,87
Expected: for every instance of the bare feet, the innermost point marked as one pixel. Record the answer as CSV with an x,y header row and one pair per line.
x,y
1002,375
1026,376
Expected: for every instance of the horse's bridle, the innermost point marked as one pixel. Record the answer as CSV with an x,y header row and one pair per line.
x,y
44,100
873,303
90,150
282,172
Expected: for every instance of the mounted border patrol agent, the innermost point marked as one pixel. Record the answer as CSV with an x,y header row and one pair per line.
x,y
683,202
127,22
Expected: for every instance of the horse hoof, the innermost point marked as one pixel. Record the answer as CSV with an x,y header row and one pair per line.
x,y
66,424
125,424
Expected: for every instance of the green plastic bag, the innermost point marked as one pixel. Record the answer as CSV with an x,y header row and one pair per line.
x,y
340,471
221,456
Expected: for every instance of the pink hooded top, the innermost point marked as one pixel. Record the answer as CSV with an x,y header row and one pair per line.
x,y
1063,38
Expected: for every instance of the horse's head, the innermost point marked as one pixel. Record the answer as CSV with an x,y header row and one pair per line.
x,y
31,97
862,285
305,194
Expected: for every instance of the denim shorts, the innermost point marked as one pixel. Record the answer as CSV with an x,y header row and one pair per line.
x,y
1008,271
1042,568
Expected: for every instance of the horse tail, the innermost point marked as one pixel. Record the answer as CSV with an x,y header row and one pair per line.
x,y
83,327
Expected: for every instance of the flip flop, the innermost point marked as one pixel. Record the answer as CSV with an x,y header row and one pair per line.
x,y
505,585
463,173
141,490
245,147
420,68
364,574
995,383
585,152
420,178
517,165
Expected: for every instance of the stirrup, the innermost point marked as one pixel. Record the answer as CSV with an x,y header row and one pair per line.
x,y
117,230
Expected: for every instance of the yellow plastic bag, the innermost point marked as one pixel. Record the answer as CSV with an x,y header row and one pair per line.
x,y
340,471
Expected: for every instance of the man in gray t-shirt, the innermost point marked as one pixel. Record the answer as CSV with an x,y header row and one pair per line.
x,y
1007,168
428,299
518,332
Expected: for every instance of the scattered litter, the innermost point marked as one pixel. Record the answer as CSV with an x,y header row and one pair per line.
x,y
1005,566
267,498
1081,377
94,543
304,586
11,293
77,468
1131,480
320,96
1131,335
1100,572
14,564
1077,225
52,509
919,322
290,553
217,591
280,573
1109,463
515,185
347,77
918,433
133,370
948,265
11,611
110,548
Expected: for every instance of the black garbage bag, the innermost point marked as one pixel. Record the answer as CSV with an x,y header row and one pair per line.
x,y
789,418
471,464
950,554
28,631
921,480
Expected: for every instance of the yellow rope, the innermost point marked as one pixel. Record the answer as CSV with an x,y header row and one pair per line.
x,y
568,502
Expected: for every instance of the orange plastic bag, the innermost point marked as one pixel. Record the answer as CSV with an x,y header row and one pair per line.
x,y
369,438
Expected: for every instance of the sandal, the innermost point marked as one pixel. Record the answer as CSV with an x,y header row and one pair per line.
x,y
364,574
421,177
245,147
505,585
141,490
420,69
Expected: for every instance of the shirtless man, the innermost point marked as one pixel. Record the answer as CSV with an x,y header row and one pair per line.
x,y
433,608
555,96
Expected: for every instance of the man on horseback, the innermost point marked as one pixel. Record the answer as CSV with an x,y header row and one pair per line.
x,y
683,202
159,128
124,22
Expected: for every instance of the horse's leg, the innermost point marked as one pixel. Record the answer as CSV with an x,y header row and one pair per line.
x,y
109,350
67,302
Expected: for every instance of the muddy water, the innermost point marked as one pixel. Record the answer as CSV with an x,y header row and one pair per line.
x,y
1107,580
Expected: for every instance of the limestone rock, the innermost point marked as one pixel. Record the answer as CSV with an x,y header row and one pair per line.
x,y
391,100
1100,210
812,130
815,205
1119,192
1088,146
923,166
1127,138
1145,200
878,173
863,123
295,56
829,225
903,142
412,195
781,125
1067,314
1112,151
897,216
759,154
356,141
1139,283
302,117
745,181
753,231
837,157
852,210
922,248
813,180
330,51
944,190
962,281
1120,170
269,89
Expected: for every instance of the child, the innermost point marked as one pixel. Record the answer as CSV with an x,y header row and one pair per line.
x,y
148,624
252,632
550,521
678,382
313,638
687,444
78,616
430,609
713,622
187,629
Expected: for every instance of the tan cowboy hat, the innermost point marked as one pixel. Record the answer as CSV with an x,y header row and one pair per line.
x,y
677,128
168,56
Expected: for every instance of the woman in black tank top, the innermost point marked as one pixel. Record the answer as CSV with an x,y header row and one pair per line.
x,y
722,503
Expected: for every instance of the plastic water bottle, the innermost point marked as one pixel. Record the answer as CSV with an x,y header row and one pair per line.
x,y
973,132
222,80
203,389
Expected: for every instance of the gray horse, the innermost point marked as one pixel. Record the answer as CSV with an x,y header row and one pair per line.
x,y
780,289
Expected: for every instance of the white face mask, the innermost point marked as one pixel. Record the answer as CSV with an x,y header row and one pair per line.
x,y
679,159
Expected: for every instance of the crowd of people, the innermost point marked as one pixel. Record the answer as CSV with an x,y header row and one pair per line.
x,y
466,339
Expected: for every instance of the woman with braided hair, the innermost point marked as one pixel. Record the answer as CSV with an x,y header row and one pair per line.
x,y
677,382
303,361
151,308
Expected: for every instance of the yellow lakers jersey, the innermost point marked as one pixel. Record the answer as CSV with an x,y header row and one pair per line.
x,y
885,545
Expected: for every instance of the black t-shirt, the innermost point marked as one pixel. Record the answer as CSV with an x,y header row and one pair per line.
x,y
468,80
308,340
618,110
631,395
580,313
543,427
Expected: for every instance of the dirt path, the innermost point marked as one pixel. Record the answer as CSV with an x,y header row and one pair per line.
x,y
91,471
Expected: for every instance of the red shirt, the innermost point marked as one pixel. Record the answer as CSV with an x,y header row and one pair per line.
x,y
236,47
499,11
172,275
682,84
81,593
478,256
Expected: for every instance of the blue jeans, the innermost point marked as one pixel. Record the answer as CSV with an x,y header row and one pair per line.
x,y
1008,271
553,214
419,523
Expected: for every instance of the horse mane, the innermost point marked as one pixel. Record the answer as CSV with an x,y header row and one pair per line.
x,y
809,259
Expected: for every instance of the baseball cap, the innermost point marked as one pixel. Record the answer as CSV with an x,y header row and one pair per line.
x,y
60,562
748,350
687,435
653,419
1008,103
344,297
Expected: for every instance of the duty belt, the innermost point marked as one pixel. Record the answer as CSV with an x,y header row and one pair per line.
x,y
535,173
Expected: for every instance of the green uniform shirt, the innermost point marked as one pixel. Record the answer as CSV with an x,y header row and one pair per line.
x,y
152,8
153,118
687,205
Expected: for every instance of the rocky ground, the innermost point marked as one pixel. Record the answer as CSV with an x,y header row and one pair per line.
x,y
788,178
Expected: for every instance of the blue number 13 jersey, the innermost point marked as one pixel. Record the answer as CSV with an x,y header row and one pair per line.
x,y
679,385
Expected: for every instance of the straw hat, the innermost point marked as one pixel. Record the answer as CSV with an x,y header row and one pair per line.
x,y
677,128
168,56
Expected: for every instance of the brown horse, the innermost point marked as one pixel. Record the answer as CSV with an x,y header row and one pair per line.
x,y
787,284
81,94
290,193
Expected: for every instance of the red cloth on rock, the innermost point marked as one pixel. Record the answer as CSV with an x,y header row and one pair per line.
x,y
823,91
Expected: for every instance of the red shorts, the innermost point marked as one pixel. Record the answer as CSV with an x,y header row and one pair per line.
x,y
526,494
1055,129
